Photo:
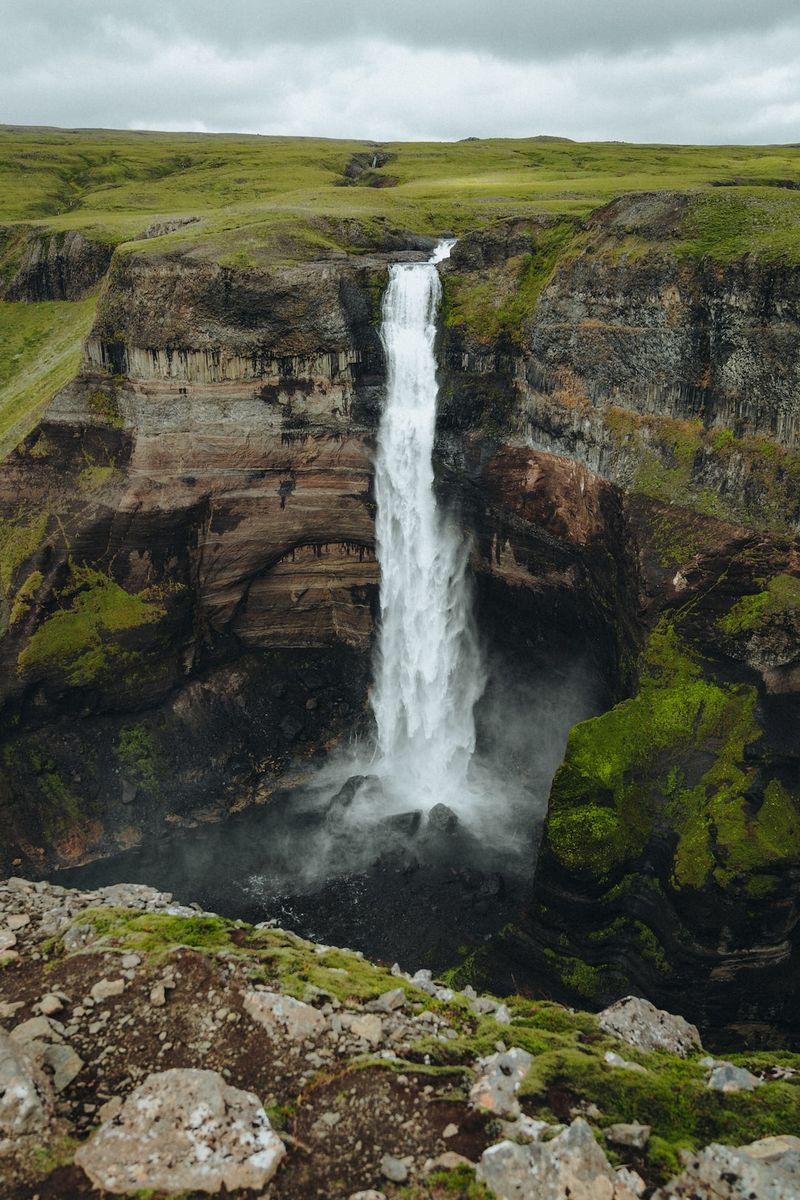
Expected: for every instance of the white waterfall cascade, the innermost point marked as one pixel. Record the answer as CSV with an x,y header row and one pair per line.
x,y
429,671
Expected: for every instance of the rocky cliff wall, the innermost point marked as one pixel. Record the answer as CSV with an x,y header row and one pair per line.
x,y
669,861
194,599
188,562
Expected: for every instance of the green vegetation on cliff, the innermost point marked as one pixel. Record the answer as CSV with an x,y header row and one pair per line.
x,y
671,759
781,597
82,640
497,306
41,352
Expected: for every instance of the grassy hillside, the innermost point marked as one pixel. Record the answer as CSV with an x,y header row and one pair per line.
x,y
119,184
40,351
248,200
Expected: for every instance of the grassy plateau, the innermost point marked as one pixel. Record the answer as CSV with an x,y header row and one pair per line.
x,y
246,201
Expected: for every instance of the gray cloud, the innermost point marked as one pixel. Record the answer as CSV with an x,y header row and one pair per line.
x,y
724,70
515,29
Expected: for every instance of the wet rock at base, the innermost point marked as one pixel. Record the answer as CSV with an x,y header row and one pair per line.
x,y
406,823
727,1173
26,1099
640,1024
348,792
570,1167
183,1130
442,819
499,1079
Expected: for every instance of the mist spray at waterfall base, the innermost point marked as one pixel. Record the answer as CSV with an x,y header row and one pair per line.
x,y
421,836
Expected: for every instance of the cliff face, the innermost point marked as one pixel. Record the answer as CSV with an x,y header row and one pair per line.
x,y
670,856
38,265
192,608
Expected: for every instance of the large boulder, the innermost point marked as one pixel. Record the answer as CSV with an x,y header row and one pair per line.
x,y
26,1099
767,1170
570,1167
183,1130
640,1024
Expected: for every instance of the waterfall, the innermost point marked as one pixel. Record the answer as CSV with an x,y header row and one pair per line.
x,y
428,672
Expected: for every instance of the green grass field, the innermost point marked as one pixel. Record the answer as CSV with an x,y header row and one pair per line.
x,y
252,201
247,189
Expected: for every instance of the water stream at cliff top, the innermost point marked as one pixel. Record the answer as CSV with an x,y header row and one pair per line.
x,y
429,673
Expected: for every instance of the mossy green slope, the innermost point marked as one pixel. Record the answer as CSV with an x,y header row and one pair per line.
x,y
647,767
569,1070
84,641
40,351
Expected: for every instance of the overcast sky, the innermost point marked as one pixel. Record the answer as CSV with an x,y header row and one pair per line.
x,y
638,70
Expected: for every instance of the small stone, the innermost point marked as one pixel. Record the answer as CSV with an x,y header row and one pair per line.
x,y
17,921
449,1161
368,1027
128,961
394,1169
64,1063
727,1078
104,989
78,936
450,1131
276,1011
498,1082
368,1195
158,996
38,1029
645,1027
8,940
725,1172
571,1165
634,1136
50,1004
391,1001
631,1180
616,1060
26,1101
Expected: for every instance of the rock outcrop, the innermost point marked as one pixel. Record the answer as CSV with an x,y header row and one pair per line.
x,y
348,1078
183,1130
669,860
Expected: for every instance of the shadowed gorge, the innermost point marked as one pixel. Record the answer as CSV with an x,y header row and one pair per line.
x,y
399,549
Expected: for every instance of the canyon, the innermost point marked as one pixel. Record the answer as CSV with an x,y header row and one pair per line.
x,y
190,584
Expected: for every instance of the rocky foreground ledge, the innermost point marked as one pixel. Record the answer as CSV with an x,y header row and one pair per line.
x,y
149,1049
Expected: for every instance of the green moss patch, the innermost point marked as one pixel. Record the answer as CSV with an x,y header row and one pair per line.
x,y
671,1096
669,460
781,597
20,536
82,640
672,759
496,302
